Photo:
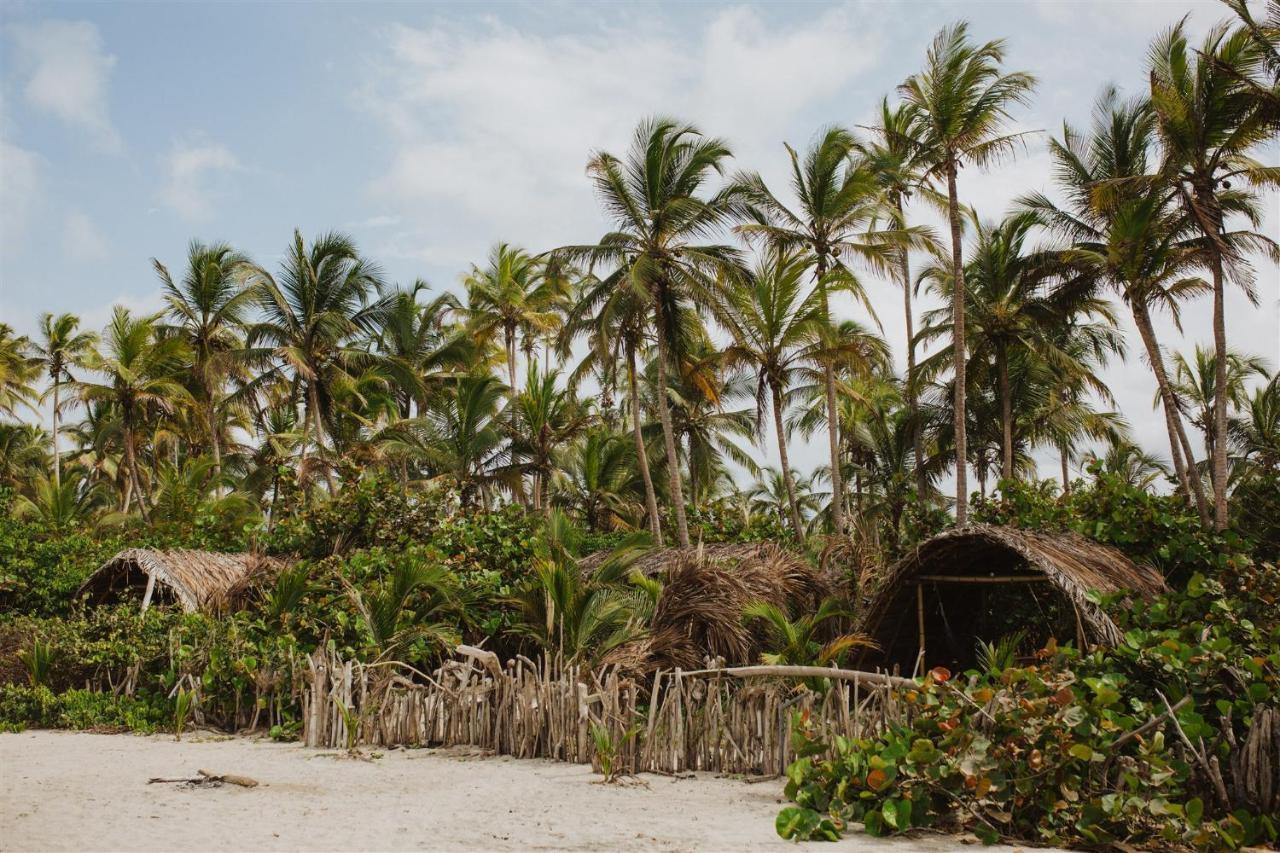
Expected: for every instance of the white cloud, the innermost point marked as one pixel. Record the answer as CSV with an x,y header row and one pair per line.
x,y
67,74
21,193
81,238
493,127
195,173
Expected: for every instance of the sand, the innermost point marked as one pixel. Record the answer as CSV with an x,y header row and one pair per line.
x,y
75,791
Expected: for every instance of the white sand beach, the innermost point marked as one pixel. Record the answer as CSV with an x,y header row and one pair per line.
x,y
75,791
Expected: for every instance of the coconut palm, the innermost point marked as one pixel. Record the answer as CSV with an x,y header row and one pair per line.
x,y
66,503
1208,126
1131,463
1134,238
23,454
839,220
546,418
600,481
323,297
140,368
18,371
61,348
420,349
614,317
210,306
1256,434
962,101
1195,384
776,320
459,437
655,199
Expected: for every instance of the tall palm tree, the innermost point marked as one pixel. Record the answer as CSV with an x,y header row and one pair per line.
x,y
962,101
615,318
839,219
1134,237
324,296
1208,126
141,369
897,161
210,305
776,320
1016,300
61,348
660,217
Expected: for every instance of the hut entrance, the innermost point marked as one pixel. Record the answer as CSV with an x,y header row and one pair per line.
x,y
982,583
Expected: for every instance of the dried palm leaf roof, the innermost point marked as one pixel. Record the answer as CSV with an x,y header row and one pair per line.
x,y
1072,563
195,579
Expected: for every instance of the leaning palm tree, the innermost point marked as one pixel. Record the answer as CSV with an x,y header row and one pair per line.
x,y
1208,127
140,371
210,305
322,299
839,220
962,101
61,348
654,197
1132,236
775,320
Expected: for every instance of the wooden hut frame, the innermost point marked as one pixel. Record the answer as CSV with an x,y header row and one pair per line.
x,y
1004,556
196,580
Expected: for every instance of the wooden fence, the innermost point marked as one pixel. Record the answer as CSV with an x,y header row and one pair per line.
x,y
728,721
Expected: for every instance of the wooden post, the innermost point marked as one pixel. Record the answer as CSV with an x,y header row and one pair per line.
x,y
920,623
146,596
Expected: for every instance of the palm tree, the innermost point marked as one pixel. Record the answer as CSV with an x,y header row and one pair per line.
x,y
60,504
775,320
1195,384
140,369
653,198
961,102
600,481
1256,435
460,437
23,455
321,300
837,221
421,349
1016,301
546,418
1131,463
504,299
1134,238
808,640
615,319
62,347
18,370
897,161
210,305
1208,125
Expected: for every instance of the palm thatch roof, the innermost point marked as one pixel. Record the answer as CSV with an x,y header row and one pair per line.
x,y
979,553
196,580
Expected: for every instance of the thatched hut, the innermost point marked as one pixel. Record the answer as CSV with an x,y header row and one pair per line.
x,y
982,582
195,580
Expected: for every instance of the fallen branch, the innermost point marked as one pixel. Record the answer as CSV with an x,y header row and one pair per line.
x,y
205,779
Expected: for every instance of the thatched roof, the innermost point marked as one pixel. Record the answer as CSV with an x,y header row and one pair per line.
x,y
664,559
194,579
1070,562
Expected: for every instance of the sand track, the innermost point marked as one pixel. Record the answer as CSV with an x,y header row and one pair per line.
x,y
72,791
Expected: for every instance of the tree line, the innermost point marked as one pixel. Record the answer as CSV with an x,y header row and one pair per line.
x,y
624,378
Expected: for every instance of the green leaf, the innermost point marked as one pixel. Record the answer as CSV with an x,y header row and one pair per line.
x,y
890,811
1194,811
1081,751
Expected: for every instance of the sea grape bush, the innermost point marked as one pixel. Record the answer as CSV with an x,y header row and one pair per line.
x,y
1047,753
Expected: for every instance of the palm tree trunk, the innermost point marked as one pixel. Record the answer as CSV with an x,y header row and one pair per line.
x,y
958,347
668,439
1208,213
1188,480
1006,415
917,434
787,479
216,445
1066,473
833,417
642,456
57,457
131,460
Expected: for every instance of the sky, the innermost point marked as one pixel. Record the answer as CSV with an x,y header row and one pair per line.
x,y
429,132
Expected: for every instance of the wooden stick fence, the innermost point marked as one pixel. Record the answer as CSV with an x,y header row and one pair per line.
x,y
712,720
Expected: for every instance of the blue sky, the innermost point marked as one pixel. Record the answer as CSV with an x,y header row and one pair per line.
x,y
430,131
